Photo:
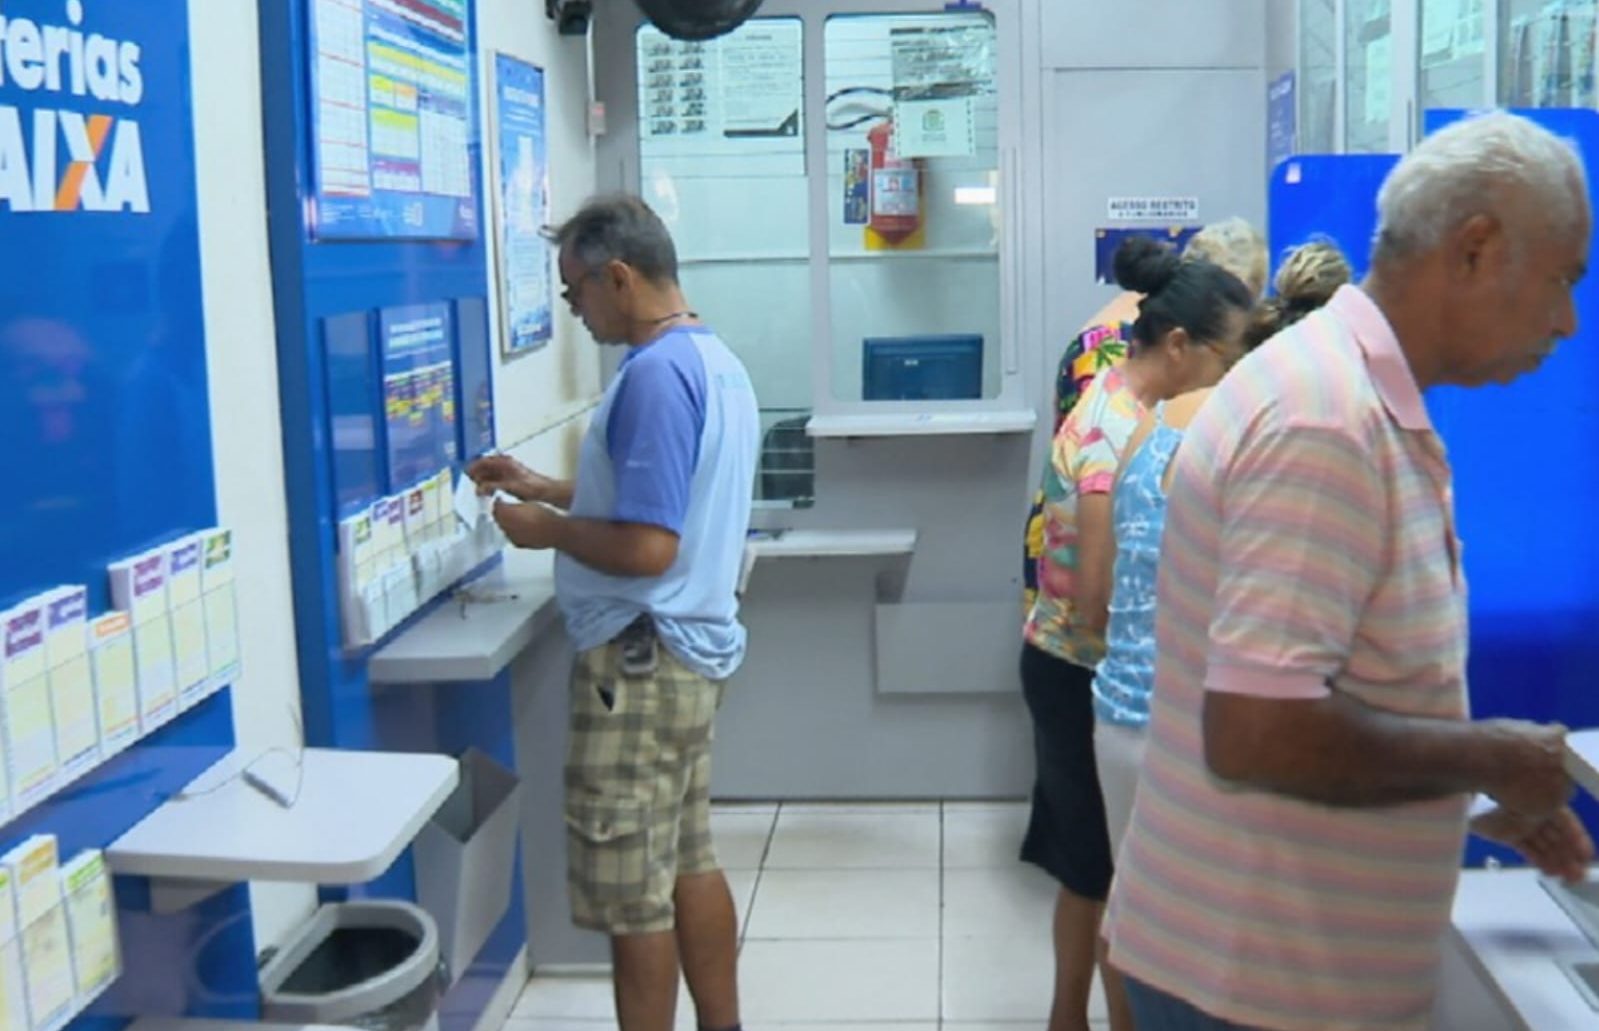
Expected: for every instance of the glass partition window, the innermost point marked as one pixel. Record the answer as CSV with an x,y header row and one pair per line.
x,y
722,160
913,206
1318,76
1454,67
1368,79
1546,53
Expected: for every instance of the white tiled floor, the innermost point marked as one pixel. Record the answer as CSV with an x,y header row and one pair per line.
x,y
861,917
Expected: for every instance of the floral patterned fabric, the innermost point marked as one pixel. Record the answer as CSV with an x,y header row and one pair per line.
x,y
1083,460
1091,352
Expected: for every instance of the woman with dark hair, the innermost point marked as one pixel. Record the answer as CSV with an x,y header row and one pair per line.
x,y
1191,317
1101,344
1309,277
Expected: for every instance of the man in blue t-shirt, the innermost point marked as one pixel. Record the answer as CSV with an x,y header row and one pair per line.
x,y
649,540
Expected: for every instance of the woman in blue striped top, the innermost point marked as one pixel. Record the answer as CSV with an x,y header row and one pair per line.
x,y
1122,682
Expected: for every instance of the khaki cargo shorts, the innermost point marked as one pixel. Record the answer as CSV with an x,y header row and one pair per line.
x,y
638,779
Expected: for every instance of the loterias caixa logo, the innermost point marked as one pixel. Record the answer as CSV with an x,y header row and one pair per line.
x,y
69,100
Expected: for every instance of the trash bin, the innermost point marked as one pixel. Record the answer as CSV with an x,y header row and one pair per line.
x,y
465,857
371,964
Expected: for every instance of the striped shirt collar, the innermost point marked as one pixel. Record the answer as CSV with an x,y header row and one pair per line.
x,y
1390,371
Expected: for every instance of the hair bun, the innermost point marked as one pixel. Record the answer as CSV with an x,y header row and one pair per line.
x,y
1145,265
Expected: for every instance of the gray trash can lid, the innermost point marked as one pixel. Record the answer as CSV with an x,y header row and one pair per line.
x,y
372,993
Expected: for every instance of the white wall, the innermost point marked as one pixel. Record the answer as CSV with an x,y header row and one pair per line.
x,y
1181,114
1282,38
241,356
547,389
540,396
1153,33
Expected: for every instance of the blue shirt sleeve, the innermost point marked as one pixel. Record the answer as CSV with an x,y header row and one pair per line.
x,y
653,435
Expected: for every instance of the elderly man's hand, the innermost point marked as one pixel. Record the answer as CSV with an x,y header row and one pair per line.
x,y
1558,845
1527,768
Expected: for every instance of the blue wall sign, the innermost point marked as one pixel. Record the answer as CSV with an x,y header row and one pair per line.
x,y
1282,120
391,116
1108,241
104,438
105,446
524,204
418,390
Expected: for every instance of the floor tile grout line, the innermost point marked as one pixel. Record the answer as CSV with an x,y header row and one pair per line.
x,y
760,871
939,981
944,812
826,868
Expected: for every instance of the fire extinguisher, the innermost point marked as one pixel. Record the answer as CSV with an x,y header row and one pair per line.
x,y
896,194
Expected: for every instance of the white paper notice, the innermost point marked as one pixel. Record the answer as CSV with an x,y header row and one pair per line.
x,y
71,685
1379,84
467,507
30,729
934,128
46,951
187,611
139,587
1152,209
432,506
91,918
1438,19
13,985
116,685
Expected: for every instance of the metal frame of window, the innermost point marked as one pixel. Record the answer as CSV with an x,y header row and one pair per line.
x,y
1340,76
1405,26
1007,23
623,158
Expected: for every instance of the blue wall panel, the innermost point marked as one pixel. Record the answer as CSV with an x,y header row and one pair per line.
x,y
316,281
1332,195
351,281
1526,469
105,444
1526,479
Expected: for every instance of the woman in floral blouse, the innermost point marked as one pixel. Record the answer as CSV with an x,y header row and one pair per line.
x,y
1189,316
1102,344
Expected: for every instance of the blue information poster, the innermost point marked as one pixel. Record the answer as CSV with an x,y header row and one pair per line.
x,y
418,390
473,378
1108,241
392,120
523,204
104,436
1282,118
351,371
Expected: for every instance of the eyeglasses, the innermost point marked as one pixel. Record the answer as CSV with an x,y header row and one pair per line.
x,y
574,291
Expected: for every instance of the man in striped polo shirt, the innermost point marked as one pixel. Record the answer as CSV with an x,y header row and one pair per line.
x,y
1294,847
